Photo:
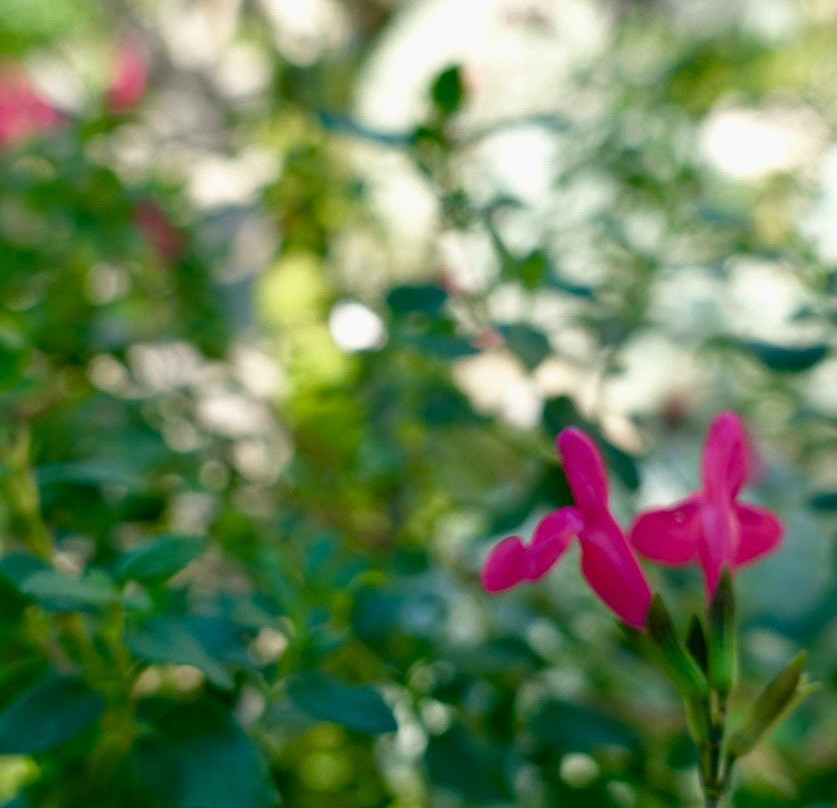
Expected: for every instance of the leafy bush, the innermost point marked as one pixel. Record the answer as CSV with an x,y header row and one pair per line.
x,y
239,554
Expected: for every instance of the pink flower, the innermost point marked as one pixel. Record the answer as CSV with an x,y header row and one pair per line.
x,y
607,560
710,526
23,113
158,230
130,79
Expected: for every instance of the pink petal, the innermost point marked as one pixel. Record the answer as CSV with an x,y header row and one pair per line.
x,y
505,565
719,540
670,535
760,533
551,539
726,456
613,572
585,471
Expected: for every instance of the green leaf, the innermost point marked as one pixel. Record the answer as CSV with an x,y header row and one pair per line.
x,y
94,473
168,639
17,567
425,298
472,769
567,726
532,270
356,707
824,501
782,358
529,344
443,346
160,559
58,591
197,756
448,91
51,713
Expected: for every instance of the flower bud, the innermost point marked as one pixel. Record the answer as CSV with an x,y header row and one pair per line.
x,y
722,644
778,698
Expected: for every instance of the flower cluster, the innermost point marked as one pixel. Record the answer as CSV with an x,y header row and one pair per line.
x,y
709,527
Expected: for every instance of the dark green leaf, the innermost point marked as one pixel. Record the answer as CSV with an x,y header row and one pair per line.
x,y
529,344
573,727
197,756
824,501
94,473
17,567
443,347
51,713
472,769
160,559
782,358
448,91
327,699
169,639
425,298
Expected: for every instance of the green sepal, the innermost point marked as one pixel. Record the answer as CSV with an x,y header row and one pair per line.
x,y
696,643
698,720
671,654
783,694
722,636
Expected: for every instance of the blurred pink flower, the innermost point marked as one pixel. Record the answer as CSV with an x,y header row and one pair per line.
x,y
607,560
710,527
158,230
23,112
130,78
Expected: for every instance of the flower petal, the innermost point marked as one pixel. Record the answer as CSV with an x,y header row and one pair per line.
x,y
611,569
585,471
760,533
726,456
551,539
505,565
669,535
719,541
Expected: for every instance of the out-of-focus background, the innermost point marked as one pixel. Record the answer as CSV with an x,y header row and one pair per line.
x,y
294,296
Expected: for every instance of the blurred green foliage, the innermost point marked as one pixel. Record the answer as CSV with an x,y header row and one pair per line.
x,y
216,590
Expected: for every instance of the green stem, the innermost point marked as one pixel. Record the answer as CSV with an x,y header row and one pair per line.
x,y
715,772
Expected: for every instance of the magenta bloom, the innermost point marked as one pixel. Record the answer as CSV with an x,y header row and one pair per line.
x,y
130,78
710,527
607,560
23,112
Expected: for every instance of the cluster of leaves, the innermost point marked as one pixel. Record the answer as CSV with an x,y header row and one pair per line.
x,y
175,632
